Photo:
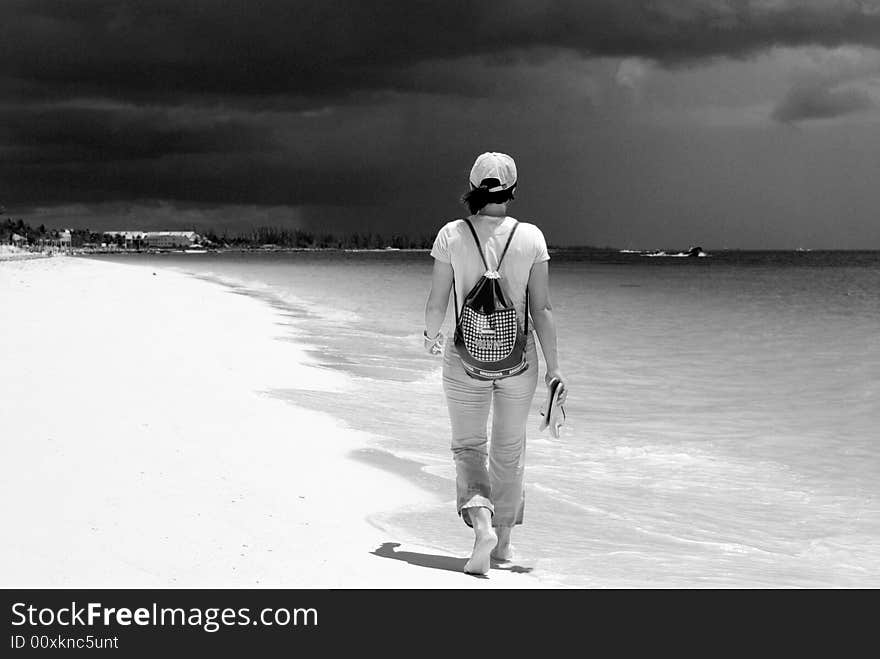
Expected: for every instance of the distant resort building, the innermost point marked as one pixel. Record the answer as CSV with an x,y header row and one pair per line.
x,y
17,240
61,240
156,239
170,239
130,238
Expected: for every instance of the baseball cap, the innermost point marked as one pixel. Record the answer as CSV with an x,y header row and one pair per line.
x,y
497,166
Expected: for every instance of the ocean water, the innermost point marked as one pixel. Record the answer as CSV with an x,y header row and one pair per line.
x,y
722,419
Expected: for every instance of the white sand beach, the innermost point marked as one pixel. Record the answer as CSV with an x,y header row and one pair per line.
x,y
139,448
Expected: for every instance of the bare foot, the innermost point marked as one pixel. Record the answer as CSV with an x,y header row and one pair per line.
x,y
503,551
485,540
484,543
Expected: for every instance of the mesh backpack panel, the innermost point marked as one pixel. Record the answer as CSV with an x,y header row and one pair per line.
x,y
488,337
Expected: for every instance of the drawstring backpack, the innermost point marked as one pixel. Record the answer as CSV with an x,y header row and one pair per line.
x,y
488,337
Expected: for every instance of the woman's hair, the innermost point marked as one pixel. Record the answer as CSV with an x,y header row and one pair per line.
x,y
476,198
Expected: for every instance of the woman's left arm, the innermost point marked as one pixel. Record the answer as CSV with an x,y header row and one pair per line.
x,y
438,298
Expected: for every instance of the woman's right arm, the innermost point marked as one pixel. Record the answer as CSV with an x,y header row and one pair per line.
x,y
438,298
542,316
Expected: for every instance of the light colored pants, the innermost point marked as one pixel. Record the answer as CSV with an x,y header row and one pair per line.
x,y
500,487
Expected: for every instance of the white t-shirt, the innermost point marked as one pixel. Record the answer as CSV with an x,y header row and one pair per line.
x,y
455,245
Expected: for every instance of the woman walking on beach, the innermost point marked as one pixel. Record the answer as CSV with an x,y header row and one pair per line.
x,y
491,500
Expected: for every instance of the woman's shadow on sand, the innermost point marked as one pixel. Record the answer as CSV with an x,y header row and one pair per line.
x,y
439,562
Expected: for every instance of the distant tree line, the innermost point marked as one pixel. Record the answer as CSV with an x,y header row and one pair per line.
x,y
257,237
10,227
301,238
40,234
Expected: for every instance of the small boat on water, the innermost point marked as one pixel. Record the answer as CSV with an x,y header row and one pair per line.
x,y
692,251
195,249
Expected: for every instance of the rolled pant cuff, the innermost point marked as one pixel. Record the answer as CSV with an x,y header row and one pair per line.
x,y
476,501
506,519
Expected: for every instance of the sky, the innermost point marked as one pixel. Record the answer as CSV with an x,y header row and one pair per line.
x,y
637,124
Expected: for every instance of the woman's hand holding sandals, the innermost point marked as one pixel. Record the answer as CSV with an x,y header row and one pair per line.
x,y
433,346
556,373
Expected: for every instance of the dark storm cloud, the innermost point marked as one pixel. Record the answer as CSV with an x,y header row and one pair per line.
x,y
65,133
183,48
805,102
323,103
234,178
